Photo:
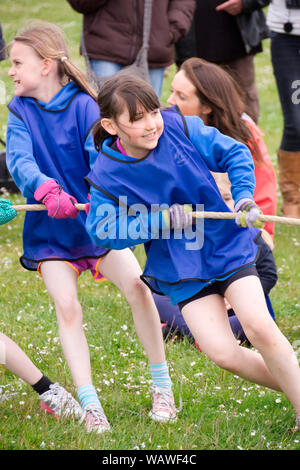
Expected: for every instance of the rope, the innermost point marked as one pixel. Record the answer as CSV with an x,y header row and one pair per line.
x,y
230,215
199,215
40,207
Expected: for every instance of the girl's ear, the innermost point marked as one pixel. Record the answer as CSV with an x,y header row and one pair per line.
x,y
206,109
47,66
109,125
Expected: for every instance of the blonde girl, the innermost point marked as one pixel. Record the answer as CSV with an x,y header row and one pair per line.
x,y
49,151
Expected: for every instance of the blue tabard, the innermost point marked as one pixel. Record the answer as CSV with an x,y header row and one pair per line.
x,y
58,139
174,172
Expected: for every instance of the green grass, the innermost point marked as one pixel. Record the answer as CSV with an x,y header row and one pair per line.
x,y
220,411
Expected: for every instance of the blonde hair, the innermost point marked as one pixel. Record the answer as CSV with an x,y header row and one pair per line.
x,y
48,41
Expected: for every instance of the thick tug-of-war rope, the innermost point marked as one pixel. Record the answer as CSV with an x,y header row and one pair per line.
x,y
263,218
198,215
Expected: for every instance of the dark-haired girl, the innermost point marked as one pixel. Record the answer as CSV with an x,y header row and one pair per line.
x,y
151,166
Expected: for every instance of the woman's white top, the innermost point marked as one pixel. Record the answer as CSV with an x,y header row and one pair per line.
x,y
279,14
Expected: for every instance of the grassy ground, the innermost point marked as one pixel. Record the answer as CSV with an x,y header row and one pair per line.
x,y
220,411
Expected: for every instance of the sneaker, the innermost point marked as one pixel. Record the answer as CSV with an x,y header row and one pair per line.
x,y
298,423
95,419
163,406
59,402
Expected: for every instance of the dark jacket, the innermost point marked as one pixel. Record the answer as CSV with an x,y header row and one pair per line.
x,y
2,45
252,23
219,36
113,29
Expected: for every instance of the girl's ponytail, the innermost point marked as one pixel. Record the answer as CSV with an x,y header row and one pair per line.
x,y
74,73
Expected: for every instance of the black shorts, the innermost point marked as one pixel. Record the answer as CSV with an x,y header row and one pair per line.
x,y
219,287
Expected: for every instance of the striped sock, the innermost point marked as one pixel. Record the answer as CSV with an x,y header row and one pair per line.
x,y
88,396
160,375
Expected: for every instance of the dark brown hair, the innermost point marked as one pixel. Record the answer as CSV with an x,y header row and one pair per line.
x,y
120,92
217,89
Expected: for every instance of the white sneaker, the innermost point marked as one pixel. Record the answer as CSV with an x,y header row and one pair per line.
x,y
95,419
163,406
59,402
298,422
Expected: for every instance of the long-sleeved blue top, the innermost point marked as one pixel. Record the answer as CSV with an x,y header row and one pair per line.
x,y
53,141
19,150
221,153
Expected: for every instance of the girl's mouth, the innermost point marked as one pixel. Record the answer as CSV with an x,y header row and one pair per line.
x,y
150,136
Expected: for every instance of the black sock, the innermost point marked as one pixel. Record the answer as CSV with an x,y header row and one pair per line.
x,y
43,385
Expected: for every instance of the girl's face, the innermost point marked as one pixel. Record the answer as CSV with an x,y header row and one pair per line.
x,y
26,70
140,136
184,95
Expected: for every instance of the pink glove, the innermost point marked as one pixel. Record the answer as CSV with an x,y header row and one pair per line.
x,y
60,204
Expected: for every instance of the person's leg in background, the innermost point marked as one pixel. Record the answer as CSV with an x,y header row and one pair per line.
x,y
243,71
285,54
157,79
104,68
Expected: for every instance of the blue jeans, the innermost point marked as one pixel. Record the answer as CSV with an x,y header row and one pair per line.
x,y
285,54
104,68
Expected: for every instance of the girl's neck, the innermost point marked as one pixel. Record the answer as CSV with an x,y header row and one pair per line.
x,y
47,91
125,151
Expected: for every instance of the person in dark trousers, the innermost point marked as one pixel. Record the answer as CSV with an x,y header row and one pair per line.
x,y
284,23
2,45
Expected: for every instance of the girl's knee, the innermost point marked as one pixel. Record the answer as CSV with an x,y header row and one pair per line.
x,y
225,358
68,309
261,333
136,290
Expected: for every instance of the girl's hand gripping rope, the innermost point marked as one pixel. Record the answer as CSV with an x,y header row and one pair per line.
x,y
60,204
248,213
7,212
178,216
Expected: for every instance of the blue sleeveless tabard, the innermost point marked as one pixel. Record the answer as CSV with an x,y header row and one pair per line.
x,y
58,139
174,172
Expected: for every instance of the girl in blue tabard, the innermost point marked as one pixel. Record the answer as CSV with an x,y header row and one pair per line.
x,y
153,159
49,151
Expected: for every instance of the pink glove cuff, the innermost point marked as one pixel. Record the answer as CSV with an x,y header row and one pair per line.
x,y
45,188
60,204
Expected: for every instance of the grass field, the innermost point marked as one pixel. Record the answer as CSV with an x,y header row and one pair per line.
x,y
220,411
